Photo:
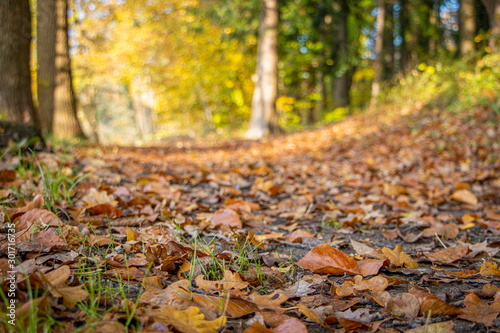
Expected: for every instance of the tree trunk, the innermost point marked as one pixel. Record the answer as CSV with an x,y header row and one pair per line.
x,y
388,49
467,27
266,85
403,20
66,125
16,98
341,84
493,9
46,54
377,64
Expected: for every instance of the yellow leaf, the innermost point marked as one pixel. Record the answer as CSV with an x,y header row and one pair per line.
x,y
131,234
489,268
190,320
399,258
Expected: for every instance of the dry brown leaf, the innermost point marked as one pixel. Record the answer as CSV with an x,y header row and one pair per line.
x,y
407,305
465,196
399,258
37,219
479,312
271,301
257,327
235,308
310,314
348,288
231,281
327,260
297,235
292,325
226,217
369,267
105,209
361,248
448,255
430,304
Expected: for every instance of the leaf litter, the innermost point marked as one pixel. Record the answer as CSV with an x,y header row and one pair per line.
x,y
375,224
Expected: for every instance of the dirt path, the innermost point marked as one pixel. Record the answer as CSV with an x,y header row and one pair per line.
x,y
304,226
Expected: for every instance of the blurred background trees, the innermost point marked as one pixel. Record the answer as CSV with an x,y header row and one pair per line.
x,y
145,70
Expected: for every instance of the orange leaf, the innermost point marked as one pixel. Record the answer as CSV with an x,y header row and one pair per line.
x,y
226,217
376,283
464,196
328,260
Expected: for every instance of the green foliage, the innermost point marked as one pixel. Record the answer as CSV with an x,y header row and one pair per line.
x,y
457,86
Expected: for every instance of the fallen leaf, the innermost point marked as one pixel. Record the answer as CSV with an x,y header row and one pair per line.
x,y
231,281
226,217
399,258
292,325
433,306
443,327
189,321
407,305
479,312
327,260
464,196
348,288
448,255
309,313
297,235
257,327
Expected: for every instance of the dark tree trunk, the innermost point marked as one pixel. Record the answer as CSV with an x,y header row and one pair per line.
x,y
66,124
16,98
341,84
266,85
403,21
388,50
46,53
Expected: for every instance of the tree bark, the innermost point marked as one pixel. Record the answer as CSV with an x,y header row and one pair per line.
x,y
266,85
16,98
467,27
493,9
379,43
403,19
66,124
46,53
341,84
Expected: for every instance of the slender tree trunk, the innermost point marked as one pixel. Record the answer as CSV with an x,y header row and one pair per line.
x,y
493,9
266,86
467,27
341,84
46,53
403,21
66,123
379,43
388,49
16,98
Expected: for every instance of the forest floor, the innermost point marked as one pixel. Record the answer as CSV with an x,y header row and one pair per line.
x,y
385,222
